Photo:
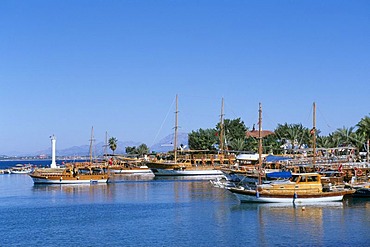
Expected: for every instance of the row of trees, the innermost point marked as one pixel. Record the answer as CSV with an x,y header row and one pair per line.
x,y
285,137
140,150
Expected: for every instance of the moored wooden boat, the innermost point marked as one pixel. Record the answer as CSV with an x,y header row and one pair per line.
x,y
182,168
190,163
130,169
302,188
124,165
73,173
21,169
362,192
77,174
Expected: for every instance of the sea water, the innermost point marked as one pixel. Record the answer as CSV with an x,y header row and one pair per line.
x,y
143,210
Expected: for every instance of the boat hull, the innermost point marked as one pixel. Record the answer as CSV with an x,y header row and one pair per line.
x,y
130,171
173,172
362,192
20,172
252,196
39,180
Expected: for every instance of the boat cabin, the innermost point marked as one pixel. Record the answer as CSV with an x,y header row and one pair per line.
x,y
300,182
306,178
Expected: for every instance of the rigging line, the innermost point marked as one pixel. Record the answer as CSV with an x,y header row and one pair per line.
x,y
309,117
326,122
165,119
270,121
228,108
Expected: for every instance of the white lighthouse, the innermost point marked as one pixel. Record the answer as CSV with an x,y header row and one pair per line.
x,y
53,142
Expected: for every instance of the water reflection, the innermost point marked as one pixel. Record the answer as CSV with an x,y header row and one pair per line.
x,y
68,188
119,178
306,220
187,178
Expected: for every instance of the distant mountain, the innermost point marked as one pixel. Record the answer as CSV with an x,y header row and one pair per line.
x,y
166,144
84,150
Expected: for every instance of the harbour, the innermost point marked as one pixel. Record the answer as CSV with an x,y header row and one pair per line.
x,y
185,123
144,210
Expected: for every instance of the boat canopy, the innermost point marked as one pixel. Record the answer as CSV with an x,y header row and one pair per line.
x,y
274,158
283,174
253,157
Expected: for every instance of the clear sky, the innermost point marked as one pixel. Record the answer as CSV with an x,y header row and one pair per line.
x,y
117,65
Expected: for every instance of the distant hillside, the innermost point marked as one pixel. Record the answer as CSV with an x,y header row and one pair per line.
x,y
166,144
84,150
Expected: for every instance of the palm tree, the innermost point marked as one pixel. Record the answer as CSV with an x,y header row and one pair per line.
x,y
345,136
295,134
238,144
113,143
323,142
142,149
359,139
364,129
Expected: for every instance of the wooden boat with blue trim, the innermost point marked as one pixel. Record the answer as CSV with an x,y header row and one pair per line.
x,y
302,188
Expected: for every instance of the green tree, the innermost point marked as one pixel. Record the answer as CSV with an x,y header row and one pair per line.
x,y
359,141
364,126
295,134
130,150
112,144
271,144
345,136
323,142
142,149
238,144
203,139
364,130
234,130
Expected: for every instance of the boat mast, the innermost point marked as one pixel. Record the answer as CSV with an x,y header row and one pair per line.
x,y
259,143
222,130
176,127
91,143
314,135
367,155
105,145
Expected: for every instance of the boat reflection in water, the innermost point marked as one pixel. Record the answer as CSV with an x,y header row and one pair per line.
x,y
138,177
303,222
76,193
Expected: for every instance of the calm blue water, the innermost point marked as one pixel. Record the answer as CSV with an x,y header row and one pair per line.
x,y
143,211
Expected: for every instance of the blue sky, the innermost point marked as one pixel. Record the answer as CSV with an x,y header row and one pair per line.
x,y
66,66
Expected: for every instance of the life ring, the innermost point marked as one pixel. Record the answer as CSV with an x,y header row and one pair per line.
x,y
358,172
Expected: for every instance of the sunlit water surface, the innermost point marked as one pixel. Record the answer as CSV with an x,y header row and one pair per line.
x,y
145,211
